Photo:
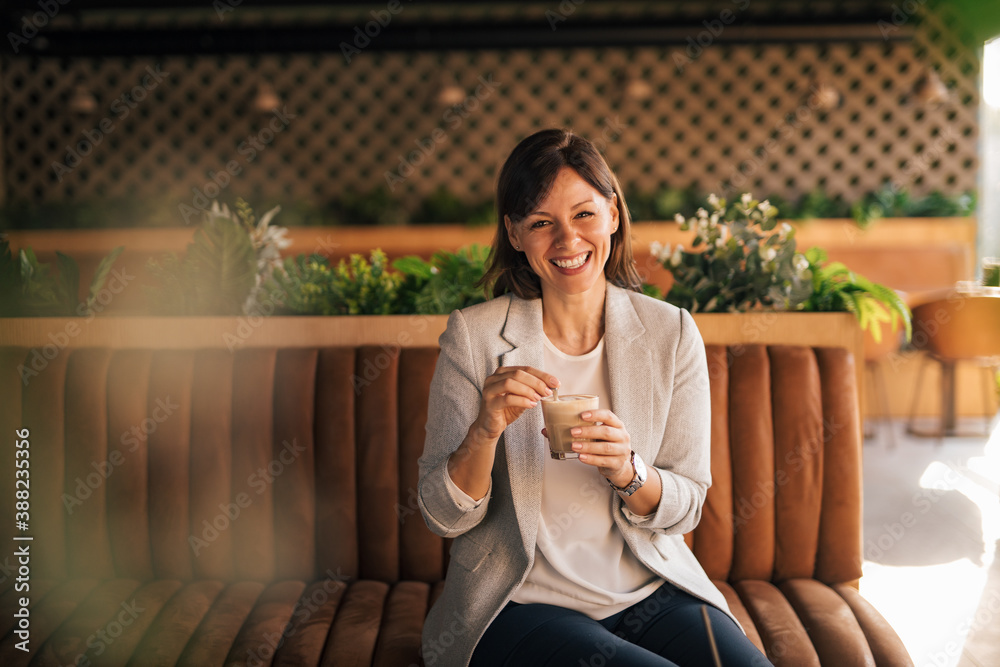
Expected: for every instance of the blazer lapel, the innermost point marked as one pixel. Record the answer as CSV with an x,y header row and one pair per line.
x,y
629,370
523,442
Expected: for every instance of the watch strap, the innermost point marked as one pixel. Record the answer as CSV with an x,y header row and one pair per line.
x,y
634,485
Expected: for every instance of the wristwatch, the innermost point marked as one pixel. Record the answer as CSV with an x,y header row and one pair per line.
x,y
638,478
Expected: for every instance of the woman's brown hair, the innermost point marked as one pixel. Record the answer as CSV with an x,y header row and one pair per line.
x,y
525,180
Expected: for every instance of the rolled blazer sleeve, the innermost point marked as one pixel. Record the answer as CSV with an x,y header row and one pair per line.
x,y
683,461
455,396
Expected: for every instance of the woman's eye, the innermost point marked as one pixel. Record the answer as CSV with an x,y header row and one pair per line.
x,y
584,213
538,223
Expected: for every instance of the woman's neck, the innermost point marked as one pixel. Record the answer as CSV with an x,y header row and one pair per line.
x,y
574,322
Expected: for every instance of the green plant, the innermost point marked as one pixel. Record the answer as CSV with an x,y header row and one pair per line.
x,y
366,288
893,201
302,285
29,288
740,260
837,288
662,204
375,207
444,207
443,284
310,286
652,290
224,268
119,212
939,205
817,204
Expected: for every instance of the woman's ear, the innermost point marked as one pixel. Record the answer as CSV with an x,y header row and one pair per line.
x,y
511,232
614,209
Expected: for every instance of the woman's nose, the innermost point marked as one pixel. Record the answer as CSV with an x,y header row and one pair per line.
x,y
564,234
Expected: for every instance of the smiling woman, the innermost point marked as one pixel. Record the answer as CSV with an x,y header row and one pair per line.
x,y
554,555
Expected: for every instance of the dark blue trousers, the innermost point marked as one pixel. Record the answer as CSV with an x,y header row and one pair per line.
x,y
666,629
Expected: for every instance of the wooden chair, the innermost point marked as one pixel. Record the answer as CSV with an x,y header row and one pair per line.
x,y
959,327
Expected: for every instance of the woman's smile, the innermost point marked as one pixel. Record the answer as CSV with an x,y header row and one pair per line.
x,y
573,264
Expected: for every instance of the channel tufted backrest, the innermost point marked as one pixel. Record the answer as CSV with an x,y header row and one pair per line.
x,y
262,464
786,489
269,464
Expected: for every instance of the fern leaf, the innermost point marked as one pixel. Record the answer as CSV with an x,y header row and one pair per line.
x,y
224,268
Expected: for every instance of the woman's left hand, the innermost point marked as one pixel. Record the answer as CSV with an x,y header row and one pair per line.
x,y
611,449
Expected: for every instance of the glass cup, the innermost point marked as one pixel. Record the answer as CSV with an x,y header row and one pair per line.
x,y
562,415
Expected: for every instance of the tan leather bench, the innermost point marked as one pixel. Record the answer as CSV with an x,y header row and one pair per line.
x,y
203,507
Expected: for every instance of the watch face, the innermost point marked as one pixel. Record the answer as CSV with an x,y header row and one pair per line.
x,y
640,468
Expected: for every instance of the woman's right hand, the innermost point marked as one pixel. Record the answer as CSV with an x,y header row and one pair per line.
x,y
508,393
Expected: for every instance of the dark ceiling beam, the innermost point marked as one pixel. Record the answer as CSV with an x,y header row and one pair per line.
x,y
27,6
436,36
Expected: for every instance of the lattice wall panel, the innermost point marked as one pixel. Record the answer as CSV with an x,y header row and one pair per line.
x,y
706,125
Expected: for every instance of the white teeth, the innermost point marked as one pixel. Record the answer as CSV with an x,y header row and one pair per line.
x,y
573,263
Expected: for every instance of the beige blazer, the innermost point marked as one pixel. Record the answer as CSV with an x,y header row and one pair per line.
x,y
659,389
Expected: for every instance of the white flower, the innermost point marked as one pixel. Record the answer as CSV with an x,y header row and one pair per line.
x,y
800,262
679,218
745,198
719,242
675,258
784,230
660,251
723,233
764,206
702,213
767,254
713,200
714,219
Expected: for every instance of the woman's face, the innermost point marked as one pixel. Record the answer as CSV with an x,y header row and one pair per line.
x,y
567,238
